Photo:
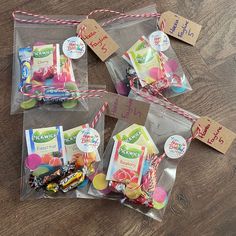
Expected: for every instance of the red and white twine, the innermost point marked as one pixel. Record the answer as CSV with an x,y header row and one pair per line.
x,y
99,114
42,19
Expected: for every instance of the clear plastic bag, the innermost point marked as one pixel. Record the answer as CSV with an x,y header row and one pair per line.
x,y
161,123
126,33
58,152
40,66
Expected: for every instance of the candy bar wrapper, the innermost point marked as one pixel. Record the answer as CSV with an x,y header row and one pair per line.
x,y
52,164
152,195
136,37
41,69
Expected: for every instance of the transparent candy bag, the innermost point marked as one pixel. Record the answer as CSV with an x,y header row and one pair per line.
x,y
149,191
42,73
155,65
52,164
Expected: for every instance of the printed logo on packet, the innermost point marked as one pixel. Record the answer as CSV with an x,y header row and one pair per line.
x,y
44,52
45,136
129,153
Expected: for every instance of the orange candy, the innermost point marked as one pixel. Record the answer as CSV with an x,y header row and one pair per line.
x,y
55,161
46,158
79,158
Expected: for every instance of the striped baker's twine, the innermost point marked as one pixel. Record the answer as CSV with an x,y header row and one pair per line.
x,y
41,19
156,160
167,104
99,114
92,125
89,93
121,16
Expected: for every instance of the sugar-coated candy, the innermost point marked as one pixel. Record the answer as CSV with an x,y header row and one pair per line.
x,y
46,158
159,195
33,161
40,170
133,190
83,184
158,205
28,104
100,182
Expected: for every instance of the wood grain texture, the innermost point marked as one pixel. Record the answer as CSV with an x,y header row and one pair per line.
x,y
203,200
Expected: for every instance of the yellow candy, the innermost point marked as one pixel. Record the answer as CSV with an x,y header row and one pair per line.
x,y
100,182
158,205
133,191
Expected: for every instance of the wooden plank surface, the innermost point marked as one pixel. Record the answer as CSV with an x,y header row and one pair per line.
x,y
203,201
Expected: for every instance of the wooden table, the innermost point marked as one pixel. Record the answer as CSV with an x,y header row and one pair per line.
x,y
203,201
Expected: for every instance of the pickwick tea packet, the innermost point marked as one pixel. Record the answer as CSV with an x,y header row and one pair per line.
x,y
61,151
140,161
145,58
49,63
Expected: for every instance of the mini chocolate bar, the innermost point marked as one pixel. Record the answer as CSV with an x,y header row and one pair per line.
x,y
71,181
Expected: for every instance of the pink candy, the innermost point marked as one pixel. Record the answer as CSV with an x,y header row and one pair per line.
x,y
159,195
33,161
156,73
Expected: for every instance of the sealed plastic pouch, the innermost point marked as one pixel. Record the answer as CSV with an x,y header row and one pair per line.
x,y
145,55
49,61
61,151
140,161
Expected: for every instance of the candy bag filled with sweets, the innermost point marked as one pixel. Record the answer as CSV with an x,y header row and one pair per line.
x,y
145,58
61,151
49,63
140,161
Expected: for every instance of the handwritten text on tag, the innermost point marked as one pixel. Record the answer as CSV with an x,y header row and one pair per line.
x,y
214,134
97,39
126,109
180,27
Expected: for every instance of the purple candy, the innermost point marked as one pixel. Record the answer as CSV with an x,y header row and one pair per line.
x,y
122,89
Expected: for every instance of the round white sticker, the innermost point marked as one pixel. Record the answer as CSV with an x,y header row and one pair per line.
x,y
175,146
159,41
88,140
74,47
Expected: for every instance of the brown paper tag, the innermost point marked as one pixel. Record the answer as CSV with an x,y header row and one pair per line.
x,y
180,27
97,39
214,134
126,109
